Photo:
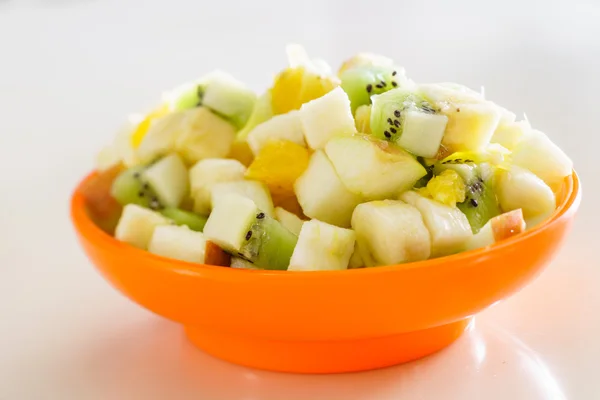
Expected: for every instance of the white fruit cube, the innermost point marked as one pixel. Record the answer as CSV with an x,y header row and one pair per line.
x,y
229,221
448,226
321,193
356,260
289,220
422,133
228,96
537,153
137,225
322,247
390,232
178,242
280,127
169,180
470,125
253,190
327,117
498,228
519,188
372,168
508,135
205,173
161,137
203,134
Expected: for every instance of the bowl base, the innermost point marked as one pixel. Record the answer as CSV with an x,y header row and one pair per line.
x,y
323,357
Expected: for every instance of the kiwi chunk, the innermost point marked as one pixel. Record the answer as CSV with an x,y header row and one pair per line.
x,y
389,110
360,83
130,187
268,244
192,220
238,226
480,203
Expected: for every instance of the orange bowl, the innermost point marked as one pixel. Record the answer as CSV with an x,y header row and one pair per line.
x,y
330,321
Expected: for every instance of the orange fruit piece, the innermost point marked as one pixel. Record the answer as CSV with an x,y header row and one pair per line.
x,y
278,165
296,86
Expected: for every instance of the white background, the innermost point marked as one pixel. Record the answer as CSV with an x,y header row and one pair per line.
x,y
70,72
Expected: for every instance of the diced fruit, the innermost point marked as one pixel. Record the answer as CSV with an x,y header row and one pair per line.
x,y
262,111
537,153
470,126
103,209
450,92
447,188
241,228
286,127
241,152
389,119
168,178
422,132
290,221
519,188
205,173
362,82
178,242
221,93
327,117
498,228
368,60
322,194
193,221
214,255
204,135
362,119
123,145
289,203
390,232
480,203
130,187
195,134
298,85
494,154
508,135
137,225
161,136
278,165
356,260
372,168
322,247
253,190
142,128
240,263
448,226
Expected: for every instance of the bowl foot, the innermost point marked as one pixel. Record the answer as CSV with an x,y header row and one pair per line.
x,y
321,357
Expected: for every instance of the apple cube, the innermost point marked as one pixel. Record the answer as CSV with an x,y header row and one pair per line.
x,y
280,127
390,232
137,225
322,247
498,228
205,173
322,195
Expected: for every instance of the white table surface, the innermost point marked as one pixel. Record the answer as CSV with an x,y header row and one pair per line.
x,y
71,70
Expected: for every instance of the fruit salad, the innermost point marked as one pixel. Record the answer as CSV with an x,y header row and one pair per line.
x,y
325,170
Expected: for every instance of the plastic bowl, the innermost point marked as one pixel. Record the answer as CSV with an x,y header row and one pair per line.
x,y
331,321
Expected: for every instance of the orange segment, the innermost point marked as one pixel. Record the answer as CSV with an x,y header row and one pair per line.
x,y
142,128
296,86
278,165
241,151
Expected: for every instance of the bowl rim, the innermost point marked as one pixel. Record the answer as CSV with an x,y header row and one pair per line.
x,y
92,233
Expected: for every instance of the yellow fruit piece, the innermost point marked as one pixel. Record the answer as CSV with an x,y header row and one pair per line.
x,y
241,151
362,119
448,188
296,86
278,165
142,128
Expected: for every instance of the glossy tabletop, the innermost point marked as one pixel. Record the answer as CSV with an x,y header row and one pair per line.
x,y
70,72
